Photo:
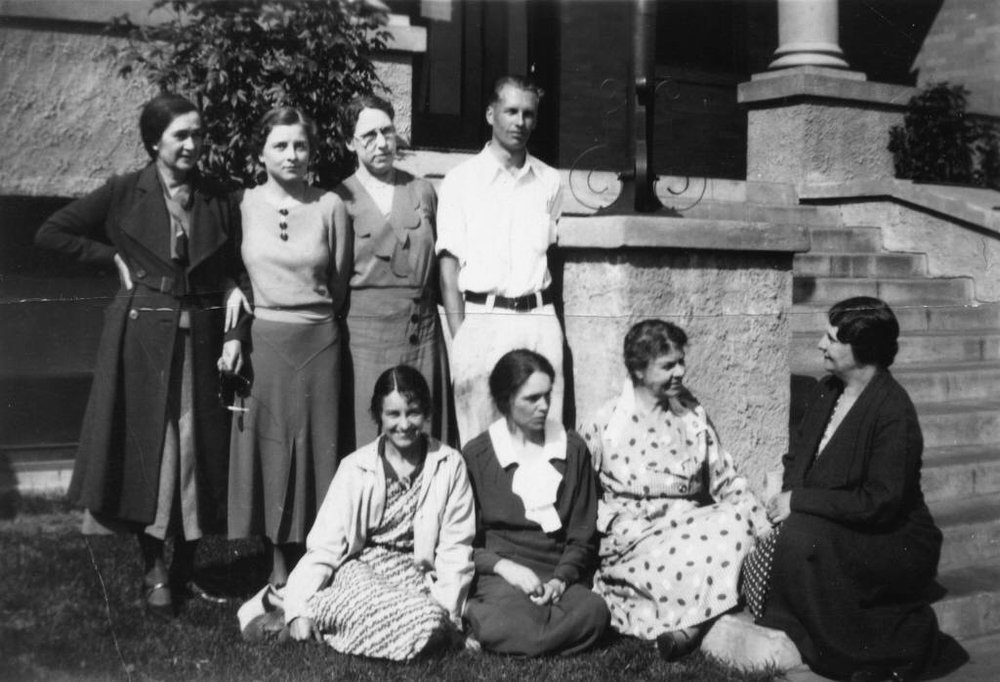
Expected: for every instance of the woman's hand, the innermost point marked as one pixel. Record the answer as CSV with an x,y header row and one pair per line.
x,y
521,577
231,361
302,629
551,592
124,276
779,507
236,302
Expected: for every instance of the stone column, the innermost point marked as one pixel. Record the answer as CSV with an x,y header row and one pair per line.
x,y
808,35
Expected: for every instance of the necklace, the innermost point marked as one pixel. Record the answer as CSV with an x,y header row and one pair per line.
x,y
283,224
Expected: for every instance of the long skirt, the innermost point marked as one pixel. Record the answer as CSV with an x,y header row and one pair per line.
x,y
378,606
389,327
284,447
505,620
673,571
177,508
851,599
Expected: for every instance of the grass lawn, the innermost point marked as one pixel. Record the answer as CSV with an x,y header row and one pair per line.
x,y
56,624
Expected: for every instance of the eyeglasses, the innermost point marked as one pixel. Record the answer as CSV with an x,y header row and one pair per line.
x,y
369,139
231,387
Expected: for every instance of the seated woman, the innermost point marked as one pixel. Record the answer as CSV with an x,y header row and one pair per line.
x,y
856,548
668,565
389,561
536,504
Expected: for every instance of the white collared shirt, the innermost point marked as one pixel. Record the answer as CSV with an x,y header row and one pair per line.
x,y
499,225
535,480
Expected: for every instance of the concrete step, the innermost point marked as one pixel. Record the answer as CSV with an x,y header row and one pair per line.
x,y
960,422
971,528
815,264
971,604
935,382
914,347
812,318
950,381
960,472
894,291
845,239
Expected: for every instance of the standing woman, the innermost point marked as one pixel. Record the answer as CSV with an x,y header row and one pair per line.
x,y
536,512
152,455
294,247
393,318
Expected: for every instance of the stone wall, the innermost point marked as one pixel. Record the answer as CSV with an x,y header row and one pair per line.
x,y
70,121
733,304
953,248
963,47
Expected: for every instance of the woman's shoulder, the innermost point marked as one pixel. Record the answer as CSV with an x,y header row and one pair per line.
x,y
324,197
477,448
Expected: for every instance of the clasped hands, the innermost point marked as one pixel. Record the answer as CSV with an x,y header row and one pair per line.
x,y
528,582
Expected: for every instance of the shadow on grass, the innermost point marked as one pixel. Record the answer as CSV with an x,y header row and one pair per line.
x,y
71,608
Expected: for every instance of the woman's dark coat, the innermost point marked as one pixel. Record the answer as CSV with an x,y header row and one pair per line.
x,y
118,462
856,555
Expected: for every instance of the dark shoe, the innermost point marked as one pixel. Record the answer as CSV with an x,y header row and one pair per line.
x,y
676,645
193,590
871,675
159,600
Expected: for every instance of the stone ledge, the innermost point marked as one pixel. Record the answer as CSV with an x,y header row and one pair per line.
x,y
651,231
403,37
810,83
977,206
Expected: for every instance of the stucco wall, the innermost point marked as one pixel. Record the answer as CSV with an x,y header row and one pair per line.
x,y
733,307
70,122
958,250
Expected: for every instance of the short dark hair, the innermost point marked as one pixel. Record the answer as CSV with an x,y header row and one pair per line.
x,y
352,112
410,384
519,82
283,116
870,326
648,340
512,371
157,115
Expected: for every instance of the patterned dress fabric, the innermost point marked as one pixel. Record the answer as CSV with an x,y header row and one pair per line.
x,y
378,604
757,573
667,563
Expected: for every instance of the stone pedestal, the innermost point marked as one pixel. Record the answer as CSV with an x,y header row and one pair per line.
x,y
727,283
811,125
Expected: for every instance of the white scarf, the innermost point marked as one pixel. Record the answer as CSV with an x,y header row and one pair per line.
x,y
535,480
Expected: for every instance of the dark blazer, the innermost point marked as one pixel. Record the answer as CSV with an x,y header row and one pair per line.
x,y
118,462
869,472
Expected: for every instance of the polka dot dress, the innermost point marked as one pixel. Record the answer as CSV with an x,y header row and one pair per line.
x,y
757,573
665,562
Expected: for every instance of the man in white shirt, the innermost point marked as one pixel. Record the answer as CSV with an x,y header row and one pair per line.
x,y
496,219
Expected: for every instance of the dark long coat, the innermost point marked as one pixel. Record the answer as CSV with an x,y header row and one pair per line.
x,y
118,462
854,559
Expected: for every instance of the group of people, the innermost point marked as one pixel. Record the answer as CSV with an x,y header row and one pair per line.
x,y
260,335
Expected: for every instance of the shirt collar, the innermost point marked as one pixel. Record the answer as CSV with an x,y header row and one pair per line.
x,y
495,168
503,445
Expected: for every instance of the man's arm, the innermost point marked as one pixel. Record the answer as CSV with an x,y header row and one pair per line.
x,y
454,304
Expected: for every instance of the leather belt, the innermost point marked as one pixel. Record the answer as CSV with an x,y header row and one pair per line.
x,y
518,303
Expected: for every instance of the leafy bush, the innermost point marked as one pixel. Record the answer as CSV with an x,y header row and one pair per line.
x,y
939,142
238,59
